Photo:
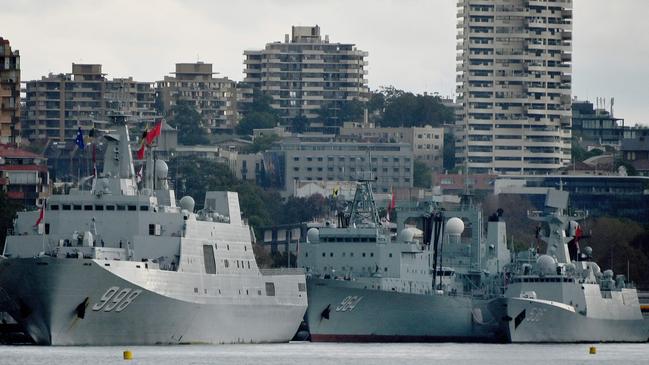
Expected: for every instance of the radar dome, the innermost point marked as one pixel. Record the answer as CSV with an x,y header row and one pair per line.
x,y
187,203
454,226
161,169
407,234
313,235
546,265
588,251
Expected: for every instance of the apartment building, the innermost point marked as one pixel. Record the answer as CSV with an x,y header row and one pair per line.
x,y
306,72
58,104
427,142
292,161
217,99
514,83
24,176
9,93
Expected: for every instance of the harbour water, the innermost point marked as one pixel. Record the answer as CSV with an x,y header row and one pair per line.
x,y
300,353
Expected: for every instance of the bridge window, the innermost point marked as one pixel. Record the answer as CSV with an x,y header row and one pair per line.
x,y
132,208
65,207
144,208
121,207
54,207
110,207
99,207
87,207
76,207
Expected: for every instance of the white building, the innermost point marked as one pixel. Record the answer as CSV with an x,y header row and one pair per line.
x,y
514,66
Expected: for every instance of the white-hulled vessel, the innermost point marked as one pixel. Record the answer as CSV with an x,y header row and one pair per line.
x,y
562,296
120,264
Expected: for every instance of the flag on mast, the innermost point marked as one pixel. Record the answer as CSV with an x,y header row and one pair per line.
x,y
41,214
79,139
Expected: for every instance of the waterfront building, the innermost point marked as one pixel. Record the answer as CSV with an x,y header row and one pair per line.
x,y
635,152
58,104
290,161
217,99
514,83
307,72
596,126
427,142
9,93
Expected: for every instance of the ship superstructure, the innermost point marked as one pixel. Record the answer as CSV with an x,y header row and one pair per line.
x,y
122,263
421,284
562,295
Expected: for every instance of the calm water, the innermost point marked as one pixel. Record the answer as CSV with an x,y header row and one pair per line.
x,y
325,353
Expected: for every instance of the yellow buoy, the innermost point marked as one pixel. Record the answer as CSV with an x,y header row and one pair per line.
x,y
128,355
592,350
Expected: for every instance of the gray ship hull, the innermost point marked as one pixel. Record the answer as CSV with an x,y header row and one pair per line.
x,y
59,302
544,321
362,315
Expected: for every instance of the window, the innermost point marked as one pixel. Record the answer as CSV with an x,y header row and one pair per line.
x,y
152,230
87,207
99,207
208,258
132,208
301,287
47,228
54,207
144,208
76,207
65,207
121,207
110,207
270,289
226,263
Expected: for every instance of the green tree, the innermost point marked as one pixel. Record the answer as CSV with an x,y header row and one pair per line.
x,y
422,175
410,110
336,113
8,209
261,143
259,114
189,124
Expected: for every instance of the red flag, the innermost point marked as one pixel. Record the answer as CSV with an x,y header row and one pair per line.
x,y
41,215
140,152
154,132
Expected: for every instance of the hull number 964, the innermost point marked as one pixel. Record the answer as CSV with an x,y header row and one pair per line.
x,y
348,304
116,299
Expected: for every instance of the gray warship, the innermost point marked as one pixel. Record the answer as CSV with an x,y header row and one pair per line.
x,y
368,284
562,295
123,264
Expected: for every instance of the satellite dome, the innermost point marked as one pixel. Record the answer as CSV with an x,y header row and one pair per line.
x,y
454,226
313,235
546,265
187,203
161,169
407,234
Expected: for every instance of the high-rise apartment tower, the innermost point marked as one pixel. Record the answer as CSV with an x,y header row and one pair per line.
x,y
306,72
514,83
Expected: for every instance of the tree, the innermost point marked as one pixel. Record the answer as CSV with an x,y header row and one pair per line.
x,y
8,209
256,120
299,123
189,124
259,114
261,143
422,175
405,109
336,113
